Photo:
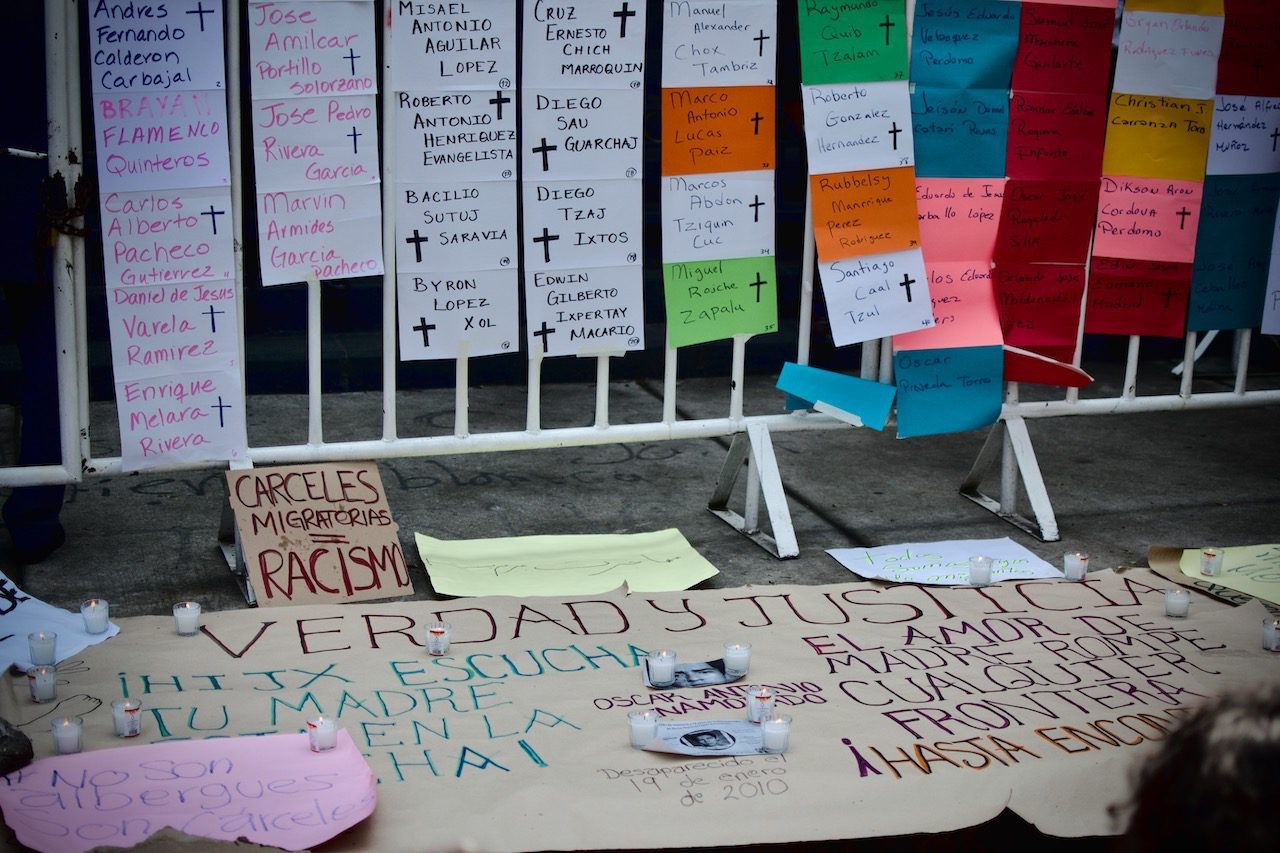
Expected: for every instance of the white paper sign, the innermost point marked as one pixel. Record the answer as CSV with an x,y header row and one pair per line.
x,y
585,311
335,233
875,296
315,142
571,134
177,50
1164,53
714,43
188,417
452,136
174,327
440,312
25,615
1245,136
572,224
453,46
1271,299
717,215
943,563
174,236
453,227
858,126
163,140
301,50
591,45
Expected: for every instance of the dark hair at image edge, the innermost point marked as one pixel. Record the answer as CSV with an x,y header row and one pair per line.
x,y
1214,782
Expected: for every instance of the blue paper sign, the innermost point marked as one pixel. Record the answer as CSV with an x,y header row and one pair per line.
x,y
868,401
965,44
959,133
948,390
1233,251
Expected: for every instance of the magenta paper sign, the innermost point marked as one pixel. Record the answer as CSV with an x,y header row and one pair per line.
x,y
271,789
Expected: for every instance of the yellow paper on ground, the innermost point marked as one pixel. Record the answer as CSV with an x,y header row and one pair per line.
x,y
1251,569
661,561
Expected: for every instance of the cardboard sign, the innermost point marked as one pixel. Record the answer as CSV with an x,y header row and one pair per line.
x,y
1244,136
967,700
709,42
1046,221
873,296
453,46
316,533
1164,53
858,126
714,216
586,311
454,314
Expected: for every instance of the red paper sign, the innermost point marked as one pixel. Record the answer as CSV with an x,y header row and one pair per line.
x,y
1055,136
1137,297
1046,221
1063,49
1249,63
1040,305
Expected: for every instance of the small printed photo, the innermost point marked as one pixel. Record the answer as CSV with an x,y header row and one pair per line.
x,y
714,739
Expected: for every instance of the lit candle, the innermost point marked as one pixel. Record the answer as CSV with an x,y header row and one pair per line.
x,y
95,612
1211,561
186,617
979,570
126,714
776,730
1176,602
438,638
1271,634
1075,565
662,667
66,735
737,659
43,683
322,733
42,646
643,726
759,703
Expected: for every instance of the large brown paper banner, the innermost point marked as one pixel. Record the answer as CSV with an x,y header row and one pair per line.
x,y
1037,695
317,533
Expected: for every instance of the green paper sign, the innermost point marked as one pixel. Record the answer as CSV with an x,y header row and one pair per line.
x,y
844,42
713,300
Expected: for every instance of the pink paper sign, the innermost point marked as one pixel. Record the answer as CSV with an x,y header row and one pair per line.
x,y
272,790
964,308
1148,218
958,217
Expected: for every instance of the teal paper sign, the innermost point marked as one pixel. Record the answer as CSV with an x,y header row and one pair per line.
x,y
948,390
964,44
869,401
1233,251
959,133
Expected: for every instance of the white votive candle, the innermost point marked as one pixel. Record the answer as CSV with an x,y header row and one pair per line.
x,y
759,703
438,634
322,733
776,731
126,715
979,570
1176,602
1075,565
643,727
1271,634
42,646
67,733
95,612
662,667
737,659
1211,561
43,683
186,617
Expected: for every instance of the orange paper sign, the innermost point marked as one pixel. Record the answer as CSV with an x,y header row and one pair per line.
x,y
717,130
864,213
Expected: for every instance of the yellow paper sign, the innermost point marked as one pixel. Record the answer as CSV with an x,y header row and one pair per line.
x,y
1150,136
661,561
1251,569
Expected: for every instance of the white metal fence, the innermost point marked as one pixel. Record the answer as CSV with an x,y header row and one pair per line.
x,y
1008,446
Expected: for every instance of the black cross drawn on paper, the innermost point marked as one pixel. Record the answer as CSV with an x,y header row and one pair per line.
x,y
354,136
543,333
622,15
755,123
894,130
887,24
221,407
546,239
755,208
213,318
906,282
1182,218
544,149
213,214
424,327
201,11
351,57
757,284
416,241
498,100
760,40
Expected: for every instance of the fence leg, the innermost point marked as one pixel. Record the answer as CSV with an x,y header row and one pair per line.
x,y
1010,434
232,549
755,447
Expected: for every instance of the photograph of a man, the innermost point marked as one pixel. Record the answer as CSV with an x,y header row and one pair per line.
x,y
700,673
708,739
